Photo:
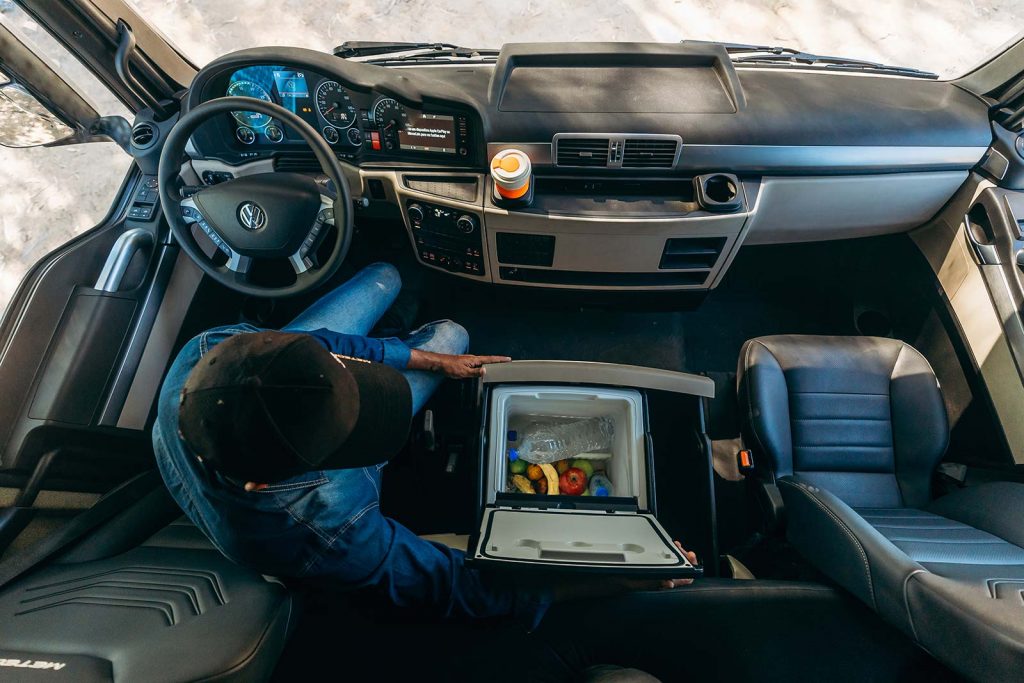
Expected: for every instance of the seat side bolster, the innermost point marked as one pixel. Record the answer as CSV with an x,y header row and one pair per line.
x,y
956,624
837,540
920,426
764,404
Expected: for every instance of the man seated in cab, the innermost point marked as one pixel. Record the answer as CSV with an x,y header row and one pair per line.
x,y
272,442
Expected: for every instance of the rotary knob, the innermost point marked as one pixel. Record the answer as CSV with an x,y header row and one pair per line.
x,y
465,224
416,214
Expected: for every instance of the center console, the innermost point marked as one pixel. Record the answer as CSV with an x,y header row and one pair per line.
x,y
446,237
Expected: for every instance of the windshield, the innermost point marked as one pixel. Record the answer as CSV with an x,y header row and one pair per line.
x,y
944,37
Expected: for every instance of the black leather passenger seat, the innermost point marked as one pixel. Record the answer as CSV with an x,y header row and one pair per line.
x,y
852,429
171,609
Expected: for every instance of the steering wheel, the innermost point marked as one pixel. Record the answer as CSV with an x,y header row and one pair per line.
x,y
273,215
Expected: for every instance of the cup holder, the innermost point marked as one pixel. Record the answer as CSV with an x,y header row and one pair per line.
x,y
719,192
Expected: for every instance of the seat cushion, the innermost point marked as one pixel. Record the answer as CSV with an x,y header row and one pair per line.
x,y
957,588
172,609
860,416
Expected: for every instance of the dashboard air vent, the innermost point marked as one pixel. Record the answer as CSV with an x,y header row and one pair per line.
x,y
582,152
143,135
653,153
299,163
691,253
1009,109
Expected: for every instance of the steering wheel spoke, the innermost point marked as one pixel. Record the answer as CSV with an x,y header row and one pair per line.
x,y
237,263
302,260
192,216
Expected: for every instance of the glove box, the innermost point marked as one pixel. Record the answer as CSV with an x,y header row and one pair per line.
x,y
523,525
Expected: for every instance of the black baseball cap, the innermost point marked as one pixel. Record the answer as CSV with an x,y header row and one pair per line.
x,y
266,406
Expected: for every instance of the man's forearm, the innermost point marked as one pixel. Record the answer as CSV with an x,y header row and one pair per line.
x,y
426,360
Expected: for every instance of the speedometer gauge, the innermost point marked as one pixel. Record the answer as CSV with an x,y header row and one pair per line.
x,y
249,89
335,105
388,115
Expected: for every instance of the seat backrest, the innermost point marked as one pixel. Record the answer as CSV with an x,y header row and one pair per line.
x,y
860,416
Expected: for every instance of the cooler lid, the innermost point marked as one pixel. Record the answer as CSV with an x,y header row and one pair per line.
x,y
626,542
588,372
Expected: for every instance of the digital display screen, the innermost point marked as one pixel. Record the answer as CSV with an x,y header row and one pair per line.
x,y
291,84
428,133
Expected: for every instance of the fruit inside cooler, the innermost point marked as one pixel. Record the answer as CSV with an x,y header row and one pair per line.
x,y
529,414
571,530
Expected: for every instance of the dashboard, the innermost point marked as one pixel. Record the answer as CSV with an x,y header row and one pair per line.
x,y
653,164
359,125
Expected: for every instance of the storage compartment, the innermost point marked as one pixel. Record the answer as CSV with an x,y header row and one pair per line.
x,y
523,526
528,410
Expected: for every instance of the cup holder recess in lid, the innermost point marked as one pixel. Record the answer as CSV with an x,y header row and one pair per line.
x,y
718,192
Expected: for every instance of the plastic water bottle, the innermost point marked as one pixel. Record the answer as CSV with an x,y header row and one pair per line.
x,y
552,442
601,485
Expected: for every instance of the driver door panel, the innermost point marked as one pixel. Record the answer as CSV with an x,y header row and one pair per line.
x,y
63,342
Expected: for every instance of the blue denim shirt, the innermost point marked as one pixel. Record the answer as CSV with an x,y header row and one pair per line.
x,y
322,524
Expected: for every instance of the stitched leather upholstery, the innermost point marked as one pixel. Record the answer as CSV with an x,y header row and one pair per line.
x,y
863,414
852,428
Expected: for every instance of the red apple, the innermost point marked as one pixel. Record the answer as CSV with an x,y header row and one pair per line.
x,y
573,482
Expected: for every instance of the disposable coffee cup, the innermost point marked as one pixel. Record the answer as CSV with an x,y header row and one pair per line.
x,y
511,171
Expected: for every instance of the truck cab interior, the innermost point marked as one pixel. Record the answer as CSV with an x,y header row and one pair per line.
x,y
808,272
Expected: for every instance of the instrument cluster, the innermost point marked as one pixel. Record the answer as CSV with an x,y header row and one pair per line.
x,y
356,124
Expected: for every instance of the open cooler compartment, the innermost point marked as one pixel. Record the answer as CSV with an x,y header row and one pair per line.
x,y
613,534
517,409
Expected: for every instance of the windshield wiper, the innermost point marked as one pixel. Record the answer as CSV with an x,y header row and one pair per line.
x,y
407,52
743,53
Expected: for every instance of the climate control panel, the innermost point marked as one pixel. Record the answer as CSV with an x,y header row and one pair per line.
x,y
447,238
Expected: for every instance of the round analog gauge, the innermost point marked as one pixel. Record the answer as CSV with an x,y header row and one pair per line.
x,y
335,105
274,133
245,135
388,115
331,134
251,119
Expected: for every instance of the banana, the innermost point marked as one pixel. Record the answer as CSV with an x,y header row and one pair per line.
x,y
552,475
522,484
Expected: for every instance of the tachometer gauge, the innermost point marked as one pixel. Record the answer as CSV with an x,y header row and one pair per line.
x,y
249,89
388,115
335,105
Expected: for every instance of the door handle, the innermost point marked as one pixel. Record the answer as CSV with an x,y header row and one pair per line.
x,y
120,257
978,227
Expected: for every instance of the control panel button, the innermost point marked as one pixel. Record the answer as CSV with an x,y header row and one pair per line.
x,y
416,214
466,224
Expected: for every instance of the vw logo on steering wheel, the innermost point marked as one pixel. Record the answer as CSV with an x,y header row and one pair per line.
x,y
252,216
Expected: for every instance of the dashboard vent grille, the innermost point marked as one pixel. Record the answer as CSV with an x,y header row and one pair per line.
x,y
691,253
582,152
143,135
640,153
1009,110
297,164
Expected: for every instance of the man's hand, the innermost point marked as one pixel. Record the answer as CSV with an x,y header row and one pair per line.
x,y
456,367
692,557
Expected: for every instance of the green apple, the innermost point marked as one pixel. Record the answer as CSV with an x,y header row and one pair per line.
x,y
585,465
518,466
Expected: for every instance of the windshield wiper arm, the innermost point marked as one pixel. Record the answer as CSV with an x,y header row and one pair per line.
x,y
356,48
774,54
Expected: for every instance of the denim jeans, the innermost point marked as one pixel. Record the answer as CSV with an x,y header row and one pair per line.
x,y
327,525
